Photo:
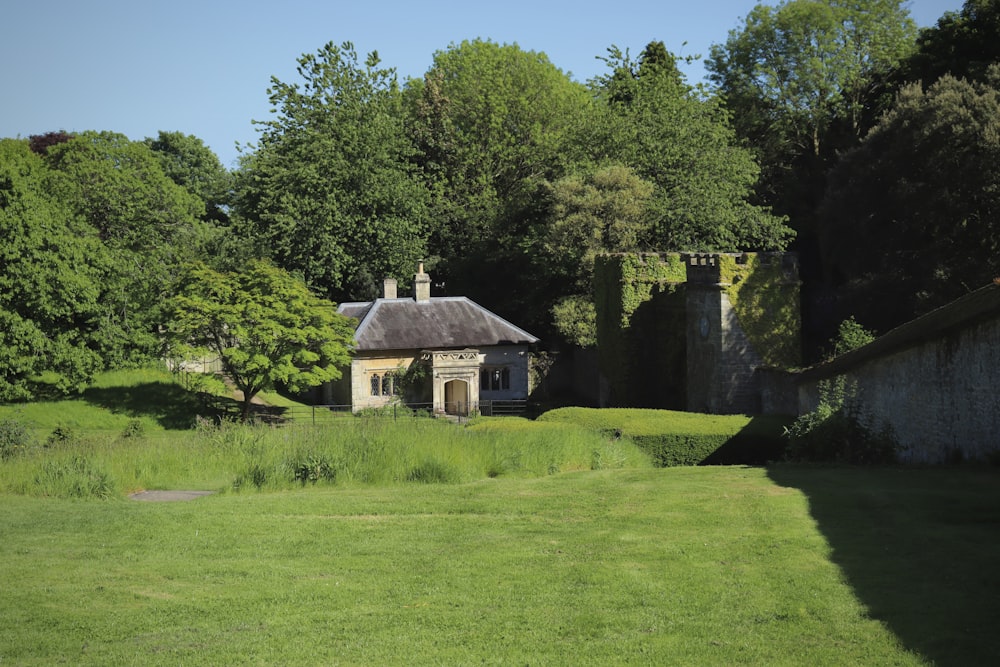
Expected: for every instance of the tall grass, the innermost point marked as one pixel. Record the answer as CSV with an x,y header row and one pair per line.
x,y
358,451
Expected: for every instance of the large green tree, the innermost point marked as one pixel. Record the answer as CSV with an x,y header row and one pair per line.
x,y
601,210
963,44
800,79
263,324
188,162
649,119
145,220
331,191
911,218
491,123
51,266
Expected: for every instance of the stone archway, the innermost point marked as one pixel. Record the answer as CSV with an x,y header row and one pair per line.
x,y
456,380
456,397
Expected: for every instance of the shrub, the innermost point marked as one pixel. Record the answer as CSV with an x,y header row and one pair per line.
x,y
62,435
850,336
15,438
134,429
312,467
835,433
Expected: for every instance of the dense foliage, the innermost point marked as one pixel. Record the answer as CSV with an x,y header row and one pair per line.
x,y
331,191
800,79
51,269
508,178
917,201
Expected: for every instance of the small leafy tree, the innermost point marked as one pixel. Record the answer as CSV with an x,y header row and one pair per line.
x,y
850,336
265,326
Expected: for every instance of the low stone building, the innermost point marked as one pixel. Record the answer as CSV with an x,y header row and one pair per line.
x,y
932,380
470,356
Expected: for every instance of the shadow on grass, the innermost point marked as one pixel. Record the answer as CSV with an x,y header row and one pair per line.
x,y
921,549
172,406
760,442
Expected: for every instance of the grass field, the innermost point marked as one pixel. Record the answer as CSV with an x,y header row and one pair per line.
x,y
507,541
713,566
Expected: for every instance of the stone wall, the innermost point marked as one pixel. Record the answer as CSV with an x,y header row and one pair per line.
x,y
721,362
639,300
933,381
728,347
694,331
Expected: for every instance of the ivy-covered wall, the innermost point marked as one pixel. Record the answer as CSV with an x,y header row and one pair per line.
x,y
646,317
763,289
639,300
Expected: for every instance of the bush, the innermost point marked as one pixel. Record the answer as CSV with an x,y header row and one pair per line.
x,y
834,433
15,438
312,467
62,435
134,429
850,336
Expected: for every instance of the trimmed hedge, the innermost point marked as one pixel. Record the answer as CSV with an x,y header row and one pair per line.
x,y
685,438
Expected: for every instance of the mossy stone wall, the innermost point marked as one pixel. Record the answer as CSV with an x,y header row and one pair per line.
x,y
640,329
652,307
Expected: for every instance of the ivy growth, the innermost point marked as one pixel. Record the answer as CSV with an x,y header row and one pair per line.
x,y
766,302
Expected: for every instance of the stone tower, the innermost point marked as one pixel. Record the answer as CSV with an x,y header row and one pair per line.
x,y
728,344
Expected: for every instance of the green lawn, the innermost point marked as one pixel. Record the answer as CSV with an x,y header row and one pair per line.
x,y
715,566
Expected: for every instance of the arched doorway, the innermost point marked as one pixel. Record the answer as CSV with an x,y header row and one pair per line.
x,y
456,397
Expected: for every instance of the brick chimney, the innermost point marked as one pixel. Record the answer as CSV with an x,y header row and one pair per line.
x,y
421,285
389,288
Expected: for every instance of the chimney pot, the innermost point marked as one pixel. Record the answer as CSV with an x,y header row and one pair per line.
x,y
421,285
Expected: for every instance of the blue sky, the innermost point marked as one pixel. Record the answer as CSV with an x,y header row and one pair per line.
x,y
203,67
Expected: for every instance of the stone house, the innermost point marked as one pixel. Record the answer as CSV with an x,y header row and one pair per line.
x,y
932,380
473,357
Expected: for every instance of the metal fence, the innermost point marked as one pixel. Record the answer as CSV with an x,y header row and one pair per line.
x,y
459,412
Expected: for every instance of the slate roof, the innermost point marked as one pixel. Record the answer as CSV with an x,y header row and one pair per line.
x,y
441,323
966,311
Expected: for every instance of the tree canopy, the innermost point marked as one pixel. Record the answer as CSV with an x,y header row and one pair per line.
x,y
649,119
508,177
963,44
910,220
147,223
264,325
331,191
803,80
51,268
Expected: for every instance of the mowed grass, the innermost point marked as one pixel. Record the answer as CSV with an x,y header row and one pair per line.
x,y
507,541
691,566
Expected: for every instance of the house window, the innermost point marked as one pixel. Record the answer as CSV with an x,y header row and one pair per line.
x,y
494,379
383,385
